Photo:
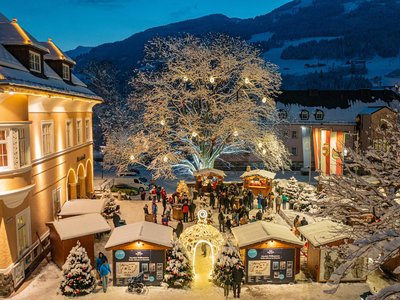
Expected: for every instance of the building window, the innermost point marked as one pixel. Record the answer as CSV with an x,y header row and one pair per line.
x,y
22,148
47,138
56,202
87,130
282,114
69,134
66,72
304,115
293,150
23,220
319,114
79,131
34,62
3,148
294,134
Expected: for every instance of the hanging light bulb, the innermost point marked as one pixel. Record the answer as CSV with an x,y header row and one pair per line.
x,y
194,134
235,133
264,100
246,80
185,78
165,158
132,157
212,79
162,122
264,151
260,145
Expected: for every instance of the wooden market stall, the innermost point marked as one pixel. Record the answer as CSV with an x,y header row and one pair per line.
x,y
138,247
205,176
322,255
271,252
82,207
65,233
258,181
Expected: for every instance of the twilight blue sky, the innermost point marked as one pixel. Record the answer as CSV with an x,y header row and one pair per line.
x,y
92,22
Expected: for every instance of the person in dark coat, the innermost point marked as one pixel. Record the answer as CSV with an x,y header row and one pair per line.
x,y
212,199
164,204
259,215
209,187
179,229
99,262
228,223
264,204
237,277
250,198
221,221
158,193
192,209
227,284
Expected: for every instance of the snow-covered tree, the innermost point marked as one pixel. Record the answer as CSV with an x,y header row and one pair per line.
x,y
228,257
195,99
306,199
178,272
182,188
369,202
292,190
78,279
110,206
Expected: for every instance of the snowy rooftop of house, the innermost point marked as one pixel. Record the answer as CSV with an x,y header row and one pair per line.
x,y
82,207
371,110
258,172
55,52
324,232
261,231
78,226
141,231
204,172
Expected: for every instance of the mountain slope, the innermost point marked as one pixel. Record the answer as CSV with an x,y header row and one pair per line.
x,y
347,43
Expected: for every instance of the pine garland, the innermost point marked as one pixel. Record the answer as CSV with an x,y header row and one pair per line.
x,y
178,273
78,279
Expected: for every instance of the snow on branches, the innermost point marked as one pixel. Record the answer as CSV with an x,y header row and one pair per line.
x,y
178,272
367,199
196,99
228,257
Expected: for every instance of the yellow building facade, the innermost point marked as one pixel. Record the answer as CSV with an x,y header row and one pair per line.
x,y
46,147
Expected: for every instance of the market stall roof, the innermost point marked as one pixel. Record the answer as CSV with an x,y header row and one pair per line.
x,y
203,172
78,226
258,172
261,231
141,231
324,232
82,207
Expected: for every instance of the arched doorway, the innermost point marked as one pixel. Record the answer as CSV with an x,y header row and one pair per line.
x,y
89,176
81,182
203,263
71,185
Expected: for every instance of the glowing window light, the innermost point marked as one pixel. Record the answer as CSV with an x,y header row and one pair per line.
x,y
212,79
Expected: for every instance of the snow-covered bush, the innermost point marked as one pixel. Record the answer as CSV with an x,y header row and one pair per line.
x,y
292,190
306,199
228,257
178,273
78,279
110,205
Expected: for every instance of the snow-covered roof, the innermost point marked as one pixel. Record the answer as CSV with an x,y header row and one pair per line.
x,y
82,207
55,53
258,172
261,231
204,172
324,232
371,110
78,226
141,231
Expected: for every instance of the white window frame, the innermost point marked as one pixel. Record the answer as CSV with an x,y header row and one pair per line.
x,y
25,143
35,62
79,131
69,134
319,115
306,113
27,213
88,132
66,72
51,146
7,142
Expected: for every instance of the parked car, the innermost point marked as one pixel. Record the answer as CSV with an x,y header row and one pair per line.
x,y
125,188
128,174
132,181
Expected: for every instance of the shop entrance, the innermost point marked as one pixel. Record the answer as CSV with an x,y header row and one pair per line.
x,y
203,263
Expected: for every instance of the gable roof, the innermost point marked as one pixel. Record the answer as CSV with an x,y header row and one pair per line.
x,y
261,231
141,231
258,172
324,232
78,226
370,110
55,53
209,171
82,207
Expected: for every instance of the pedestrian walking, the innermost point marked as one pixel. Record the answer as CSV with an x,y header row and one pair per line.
x,y
221,221
179,229
227,285
185,210
105,270
259,215
285,200
259,201
192,209
228,223
303,222
237,277
278,203
212,199
264,204
99,262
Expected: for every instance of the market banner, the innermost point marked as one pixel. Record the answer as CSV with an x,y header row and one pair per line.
x,y
306,141
336,152
328,151
325,152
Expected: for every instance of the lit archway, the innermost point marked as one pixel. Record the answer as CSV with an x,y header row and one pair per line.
x,y
71,184
212,255
89,176
81,182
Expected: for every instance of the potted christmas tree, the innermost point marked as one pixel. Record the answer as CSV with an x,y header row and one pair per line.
x,y
228,257
78,279
178,273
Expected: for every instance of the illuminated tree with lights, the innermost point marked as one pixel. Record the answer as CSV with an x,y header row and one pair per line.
x,y
196,99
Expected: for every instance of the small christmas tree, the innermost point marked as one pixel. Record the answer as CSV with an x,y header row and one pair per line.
x,y
78,279
228,257
178,273
182,188
292,190
110,205
306,198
